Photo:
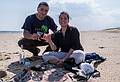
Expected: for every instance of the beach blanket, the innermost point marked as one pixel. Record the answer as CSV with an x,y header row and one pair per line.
x,y
45,73
39,71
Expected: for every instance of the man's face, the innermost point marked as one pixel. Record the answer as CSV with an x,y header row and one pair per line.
x,y
42,11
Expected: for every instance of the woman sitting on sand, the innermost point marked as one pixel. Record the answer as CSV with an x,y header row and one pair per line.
x,y
63,42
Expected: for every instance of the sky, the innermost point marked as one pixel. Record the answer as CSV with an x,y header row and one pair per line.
x,y
84,14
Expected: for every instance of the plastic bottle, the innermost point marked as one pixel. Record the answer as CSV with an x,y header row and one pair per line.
x,y
22,57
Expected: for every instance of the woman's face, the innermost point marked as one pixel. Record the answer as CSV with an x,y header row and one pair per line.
x,y
63,20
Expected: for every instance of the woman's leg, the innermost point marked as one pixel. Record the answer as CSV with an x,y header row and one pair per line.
x,y
53,57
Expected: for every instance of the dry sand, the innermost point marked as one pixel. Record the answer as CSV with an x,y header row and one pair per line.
x,y
106,43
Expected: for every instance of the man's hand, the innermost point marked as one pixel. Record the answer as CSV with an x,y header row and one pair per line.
x,y
35,36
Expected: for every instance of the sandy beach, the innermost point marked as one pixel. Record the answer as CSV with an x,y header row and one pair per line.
x,y
106,43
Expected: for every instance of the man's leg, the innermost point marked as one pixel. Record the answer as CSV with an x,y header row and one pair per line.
x,y
48,48
31,45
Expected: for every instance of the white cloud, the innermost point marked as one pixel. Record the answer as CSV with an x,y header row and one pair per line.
x,y
88,13
85,14
71,1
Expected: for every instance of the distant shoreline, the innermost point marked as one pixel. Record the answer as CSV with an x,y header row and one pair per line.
x,y
10,31
117,29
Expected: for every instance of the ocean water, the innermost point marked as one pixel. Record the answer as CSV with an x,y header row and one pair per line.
x,y
1,32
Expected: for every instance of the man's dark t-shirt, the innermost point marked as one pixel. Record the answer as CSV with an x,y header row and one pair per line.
x,y
34,25
70,40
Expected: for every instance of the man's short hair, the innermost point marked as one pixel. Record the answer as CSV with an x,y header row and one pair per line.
x,y
43,3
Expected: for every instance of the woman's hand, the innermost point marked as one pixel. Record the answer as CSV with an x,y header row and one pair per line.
x,y
47,37
60,63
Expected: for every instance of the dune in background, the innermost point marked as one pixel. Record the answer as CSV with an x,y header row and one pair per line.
x,y
105,42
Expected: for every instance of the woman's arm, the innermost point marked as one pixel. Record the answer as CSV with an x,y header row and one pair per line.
x,y
76,44
68,54
47,37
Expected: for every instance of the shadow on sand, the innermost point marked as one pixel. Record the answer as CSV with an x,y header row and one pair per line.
x,y
52,73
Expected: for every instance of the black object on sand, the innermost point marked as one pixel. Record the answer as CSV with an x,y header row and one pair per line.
x,y
3,74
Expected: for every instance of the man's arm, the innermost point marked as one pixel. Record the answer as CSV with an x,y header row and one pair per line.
x,y
53,26
27,35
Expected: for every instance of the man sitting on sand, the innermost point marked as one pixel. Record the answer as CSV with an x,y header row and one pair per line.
x,y
35,26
